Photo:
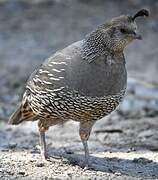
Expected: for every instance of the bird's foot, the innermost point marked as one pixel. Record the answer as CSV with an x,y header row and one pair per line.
x,y
85,165
45,157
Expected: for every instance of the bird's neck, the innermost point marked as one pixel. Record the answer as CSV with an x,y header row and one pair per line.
x,y
98,43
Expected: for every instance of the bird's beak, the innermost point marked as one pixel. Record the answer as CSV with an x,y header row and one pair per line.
x,y
137,36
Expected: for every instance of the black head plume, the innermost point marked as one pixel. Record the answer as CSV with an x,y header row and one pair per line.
x,y
142,12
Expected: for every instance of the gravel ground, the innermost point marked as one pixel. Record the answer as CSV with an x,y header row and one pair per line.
x,y
125,150
123,145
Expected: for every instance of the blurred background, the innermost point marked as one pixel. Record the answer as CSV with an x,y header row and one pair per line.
x,y
32,30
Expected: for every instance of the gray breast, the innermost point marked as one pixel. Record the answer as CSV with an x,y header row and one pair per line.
x,y
102,77
66,83
98,78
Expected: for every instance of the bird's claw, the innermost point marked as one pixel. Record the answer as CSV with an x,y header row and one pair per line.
x,y
45,157
85,165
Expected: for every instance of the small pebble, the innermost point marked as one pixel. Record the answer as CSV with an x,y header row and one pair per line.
x,y
110,170
4,150
131,149
21,173
141,160
12,145
65,161
69,174
40,164
69,152
117,173
34,151
32,160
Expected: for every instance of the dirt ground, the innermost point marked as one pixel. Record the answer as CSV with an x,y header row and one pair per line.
x,y
125,150
124,145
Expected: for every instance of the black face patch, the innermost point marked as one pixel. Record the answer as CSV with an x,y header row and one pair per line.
x,y
123,30
126,31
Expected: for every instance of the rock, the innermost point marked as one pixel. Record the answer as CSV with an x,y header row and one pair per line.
x,y
67,151
141,160
21,173
117,173
39,164
12,145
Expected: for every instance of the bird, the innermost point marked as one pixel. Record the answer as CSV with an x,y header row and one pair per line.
x,y
83,82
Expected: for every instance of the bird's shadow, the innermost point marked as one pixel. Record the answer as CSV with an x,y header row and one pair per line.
x,y
138,167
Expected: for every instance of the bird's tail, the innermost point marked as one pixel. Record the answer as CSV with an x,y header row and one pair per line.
x,y
16,117
21,115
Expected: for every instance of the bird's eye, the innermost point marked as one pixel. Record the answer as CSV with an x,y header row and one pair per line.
x,y
123,30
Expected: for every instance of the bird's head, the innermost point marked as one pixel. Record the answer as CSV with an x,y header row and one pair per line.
x,y
123,30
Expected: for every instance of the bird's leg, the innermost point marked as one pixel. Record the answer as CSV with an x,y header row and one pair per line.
x,y
85,129
86,150
42,139
43,145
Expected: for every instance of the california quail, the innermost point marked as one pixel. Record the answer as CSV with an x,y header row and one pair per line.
x,y
83,82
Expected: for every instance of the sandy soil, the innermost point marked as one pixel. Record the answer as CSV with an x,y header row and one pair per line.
x,y
124,150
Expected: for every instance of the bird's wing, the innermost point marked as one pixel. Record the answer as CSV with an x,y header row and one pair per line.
x,y
50,79
51,75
